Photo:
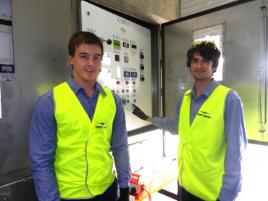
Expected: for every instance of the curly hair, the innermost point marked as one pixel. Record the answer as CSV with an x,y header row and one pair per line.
x,y
207,49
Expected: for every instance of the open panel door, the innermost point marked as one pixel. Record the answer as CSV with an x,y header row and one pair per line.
x,y
240,29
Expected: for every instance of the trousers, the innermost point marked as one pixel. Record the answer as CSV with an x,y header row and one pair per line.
x,y
184,195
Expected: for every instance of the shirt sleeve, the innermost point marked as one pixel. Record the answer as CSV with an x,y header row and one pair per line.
x,y
170,125
119,145
42,144
236,141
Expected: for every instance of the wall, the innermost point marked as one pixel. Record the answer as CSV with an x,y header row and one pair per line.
x,y
153,11
188,7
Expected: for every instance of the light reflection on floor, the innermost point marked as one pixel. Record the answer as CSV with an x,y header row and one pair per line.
x,y
255,172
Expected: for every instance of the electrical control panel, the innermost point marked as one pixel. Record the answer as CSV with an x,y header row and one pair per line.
x,y
126,63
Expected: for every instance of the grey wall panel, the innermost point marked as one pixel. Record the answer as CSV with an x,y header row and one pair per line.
x,y
176,43
41,30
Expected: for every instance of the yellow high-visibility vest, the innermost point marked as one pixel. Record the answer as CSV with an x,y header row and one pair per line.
x,y
202,145
83,163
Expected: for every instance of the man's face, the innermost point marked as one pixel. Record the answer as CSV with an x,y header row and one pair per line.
x,y
86,63
201,69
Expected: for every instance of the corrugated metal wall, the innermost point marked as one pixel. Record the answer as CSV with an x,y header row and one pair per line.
x,y
188,7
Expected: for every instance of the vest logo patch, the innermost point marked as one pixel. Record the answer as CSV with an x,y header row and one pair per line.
x,y
101,125
204,114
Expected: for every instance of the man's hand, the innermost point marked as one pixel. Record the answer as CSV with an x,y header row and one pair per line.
x,y
124,194
139,113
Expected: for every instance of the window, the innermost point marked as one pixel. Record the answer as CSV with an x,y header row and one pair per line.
x,y
214,33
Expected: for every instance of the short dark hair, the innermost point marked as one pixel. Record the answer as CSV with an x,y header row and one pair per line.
x,y
207,49
83,37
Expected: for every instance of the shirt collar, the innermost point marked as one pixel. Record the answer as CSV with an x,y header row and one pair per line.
x,y
75,87
208,90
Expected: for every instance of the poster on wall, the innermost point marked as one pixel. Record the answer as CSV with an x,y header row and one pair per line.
x,y
7,69
6,53
5,10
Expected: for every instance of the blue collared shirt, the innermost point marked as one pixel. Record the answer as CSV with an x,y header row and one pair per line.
x,y
42,141
235,135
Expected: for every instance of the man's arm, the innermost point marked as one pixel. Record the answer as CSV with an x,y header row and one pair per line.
x,y
236,141
170,125
119,146
42,144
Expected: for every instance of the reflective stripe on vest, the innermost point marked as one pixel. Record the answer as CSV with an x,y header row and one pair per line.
x,y
202,145
83,163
